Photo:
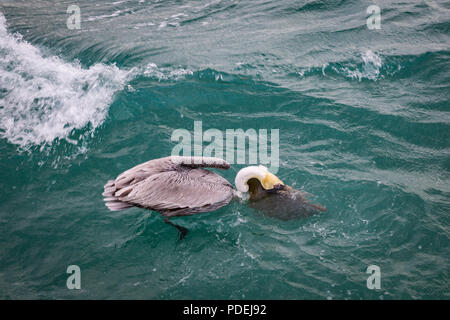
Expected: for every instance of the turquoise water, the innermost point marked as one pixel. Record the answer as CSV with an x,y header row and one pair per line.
x,y
363,119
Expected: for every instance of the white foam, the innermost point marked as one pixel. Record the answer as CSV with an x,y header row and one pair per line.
x,y
370,69
161,73
43,98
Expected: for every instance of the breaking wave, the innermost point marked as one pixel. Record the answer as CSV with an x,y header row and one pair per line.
x,y
44,98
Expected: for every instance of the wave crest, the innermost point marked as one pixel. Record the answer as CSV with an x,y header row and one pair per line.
x,y
43,98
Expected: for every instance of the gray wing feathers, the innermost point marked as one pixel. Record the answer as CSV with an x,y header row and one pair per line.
x,y
113,203
171,185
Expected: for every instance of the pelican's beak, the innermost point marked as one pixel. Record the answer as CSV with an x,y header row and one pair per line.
x,y
270,180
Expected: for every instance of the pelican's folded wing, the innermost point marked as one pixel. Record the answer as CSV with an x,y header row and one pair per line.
x,y
172,186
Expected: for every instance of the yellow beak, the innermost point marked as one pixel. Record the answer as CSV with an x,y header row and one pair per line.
x,y
270,180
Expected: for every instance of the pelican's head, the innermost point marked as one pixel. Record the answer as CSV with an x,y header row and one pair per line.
x,y
254,178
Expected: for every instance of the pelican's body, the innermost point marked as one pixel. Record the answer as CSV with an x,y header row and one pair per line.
x,y
180,186
281,202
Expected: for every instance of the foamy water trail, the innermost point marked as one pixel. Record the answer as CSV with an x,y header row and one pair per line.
x,y
43,98
369,70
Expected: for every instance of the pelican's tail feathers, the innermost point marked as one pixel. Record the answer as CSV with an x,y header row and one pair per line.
x,y
111,201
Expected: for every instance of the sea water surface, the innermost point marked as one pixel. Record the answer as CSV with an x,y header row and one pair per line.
x,y
364,123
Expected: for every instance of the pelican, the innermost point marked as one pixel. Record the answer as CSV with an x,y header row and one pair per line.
x,y
180,186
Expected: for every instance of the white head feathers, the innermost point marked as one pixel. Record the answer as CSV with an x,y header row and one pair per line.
x,y
246,174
